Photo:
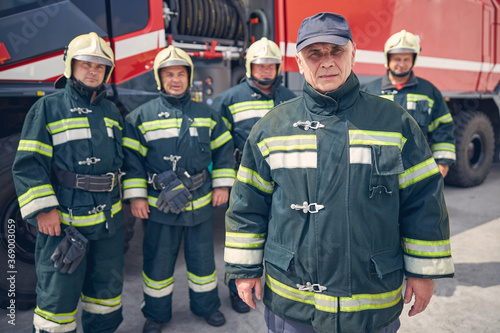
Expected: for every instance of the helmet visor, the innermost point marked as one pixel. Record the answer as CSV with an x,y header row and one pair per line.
x,y
174,63
402,50
95,59
265,61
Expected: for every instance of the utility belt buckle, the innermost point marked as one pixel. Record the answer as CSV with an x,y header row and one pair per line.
x,y
152,180
83,182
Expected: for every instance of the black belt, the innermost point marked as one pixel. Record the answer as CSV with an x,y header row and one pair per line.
x,y
90,183
192,182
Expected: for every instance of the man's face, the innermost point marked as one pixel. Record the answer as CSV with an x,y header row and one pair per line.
x,y
400,62
89,73
174,79
264,71
326,66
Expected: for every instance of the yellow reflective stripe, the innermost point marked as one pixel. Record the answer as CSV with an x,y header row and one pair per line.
x,y
287,143
243,256
429,266
221,140
389,97
60,318
243,240
228,124
88,220
135,183
157,284
249,105
426,248
223,173
204,122
35,146
417,97
160,124
135,145
417,173
110,123
202,279
250,177
380,138
363,302
321,302
443,146
35,193
106,302
66,124
447,118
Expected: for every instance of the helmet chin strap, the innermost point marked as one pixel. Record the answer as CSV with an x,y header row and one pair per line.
x,y
400,74
264,82
83,87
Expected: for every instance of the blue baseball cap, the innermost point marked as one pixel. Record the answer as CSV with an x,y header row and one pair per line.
x,y
323,28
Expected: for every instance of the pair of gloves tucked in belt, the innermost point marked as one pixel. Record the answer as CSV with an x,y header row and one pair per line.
x,y
70,251
174,196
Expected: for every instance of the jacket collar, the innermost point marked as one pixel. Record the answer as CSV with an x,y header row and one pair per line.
x,y
333,101
174,100
83,94
257,91
387,85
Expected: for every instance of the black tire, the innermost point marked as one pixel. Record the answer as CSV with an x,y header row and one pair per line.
x,y
475,145
17,241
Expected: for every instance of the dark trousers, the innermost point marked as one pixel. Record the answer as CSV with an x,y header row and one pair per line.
x,y
98,281
160,249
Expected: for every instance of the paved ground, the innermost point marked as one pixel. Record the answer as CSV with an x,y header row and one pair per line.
x,y
468,303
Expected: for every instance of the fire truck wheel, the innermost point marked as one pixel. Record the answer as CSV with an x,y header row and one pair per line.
x,y
475,145
17,241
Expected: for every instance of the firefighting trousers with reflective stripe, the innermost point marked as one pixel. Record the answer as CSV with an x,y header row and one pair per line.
x,y
160,249
98,281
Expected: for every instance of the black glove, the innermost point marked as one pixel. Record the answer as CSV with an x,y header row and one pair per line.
x,y
165,178
174,197
70,251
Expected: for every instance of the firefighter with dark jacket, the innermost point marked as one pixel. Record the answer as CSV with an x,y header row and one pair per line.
x,y
169,144
338,195
418,96
244,104
66,173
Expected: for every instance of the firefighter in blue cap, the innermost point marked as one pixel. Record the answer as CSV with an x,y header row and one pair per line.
x,y
169,144
338,195
66,175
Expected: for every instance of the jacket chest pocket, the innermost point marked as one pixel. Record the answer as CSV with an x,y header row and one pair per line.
x,y
387,164
203,136
420,110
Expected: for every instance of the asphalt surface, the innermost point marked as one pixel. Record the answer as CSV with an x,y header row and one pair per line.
x,y
470,302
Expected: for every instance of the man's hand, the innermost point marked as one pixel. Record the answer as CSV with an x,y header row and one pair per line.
x,y
245,287
220,196
444,169
140,208
423,290
49,223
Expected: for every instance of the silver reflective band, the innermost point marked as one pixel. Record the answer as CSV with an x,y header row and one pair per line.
x,y
307,208
317,288
308,124
89,161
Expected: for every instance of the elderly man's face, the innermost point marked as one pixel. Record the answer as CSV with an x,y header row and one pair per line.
x,y
326,66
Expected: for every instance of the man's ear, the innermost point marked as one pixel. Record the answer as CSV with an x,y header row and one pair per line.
x,y
299,60
353,55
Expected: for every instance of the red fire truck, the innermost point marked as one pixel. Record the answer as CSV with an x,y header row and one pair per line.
x,y
460,42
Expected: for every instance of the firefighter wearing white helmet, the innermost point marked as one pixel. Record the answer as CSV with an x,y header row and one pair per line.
x,y
169,144
73,139
418,96
244,104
